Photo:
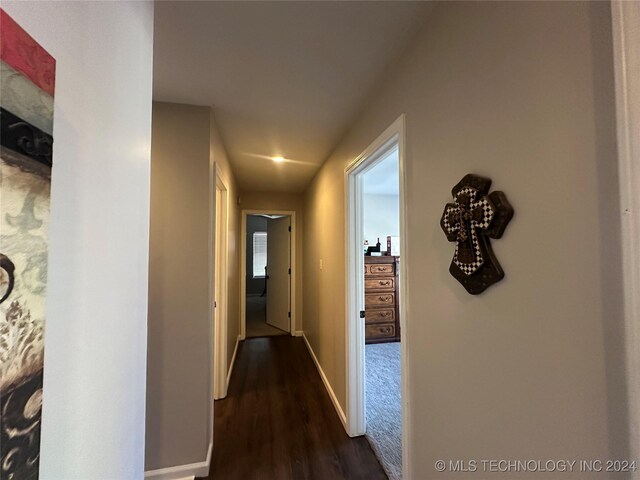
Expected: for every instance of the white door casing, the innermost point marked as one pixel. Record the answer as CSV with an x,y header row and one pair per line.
x,y
625,18
355,341
219,288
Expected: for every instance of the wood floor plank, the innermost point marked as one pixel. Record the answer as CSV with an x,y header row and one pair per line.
x,y
278,422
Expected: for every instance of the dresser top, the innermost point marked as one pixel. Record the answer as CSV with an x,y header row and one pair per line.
x,y
381,259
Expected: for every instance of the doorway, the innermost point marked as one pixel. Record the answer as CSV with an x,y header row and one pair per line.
x,y
268,274
219,287
376,299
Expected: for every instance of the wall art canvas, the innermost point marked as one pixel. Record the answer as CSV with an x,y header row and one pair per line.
x,y
26,115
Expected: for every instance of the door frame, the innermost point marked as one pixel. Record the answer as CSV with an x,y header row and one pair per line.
x,y
219,274
355,337
243,266
626,38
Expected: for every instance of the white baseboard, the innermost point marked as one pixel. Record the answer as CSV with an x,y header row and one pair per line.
x,y
298,333
327,385
233,362
183,472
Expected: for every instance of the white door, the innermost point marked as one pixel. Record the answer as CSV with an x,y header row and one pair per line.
x,y
278,265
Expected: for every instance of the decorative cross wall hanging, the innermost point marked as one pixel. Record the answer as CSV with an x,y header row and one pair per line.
x,y
470,221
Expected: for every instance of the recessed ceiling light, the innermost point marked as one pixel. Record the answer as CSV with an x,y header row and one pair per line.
x,y
278,159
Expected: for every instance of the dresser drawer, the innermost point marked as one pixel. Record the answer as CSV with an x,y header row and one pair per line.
x,y
380,269
379,315
380,284
379,299
386,330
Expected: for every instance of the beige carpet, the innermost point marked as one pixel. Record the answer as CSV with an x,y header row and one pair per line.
x,y
257,325
384,405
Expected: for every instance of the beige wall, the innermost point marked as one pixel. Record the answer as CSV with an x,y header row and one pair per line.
x,y
523,93
178,342
381,218
185,145
283,201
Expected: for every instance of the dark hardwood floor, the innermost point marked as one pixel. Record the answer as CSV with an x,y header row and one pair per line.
x,y
278,421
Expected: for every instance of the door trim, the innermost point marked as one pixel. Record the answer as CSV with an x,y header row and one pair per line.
x,y
220,273
355,414
626,38
243,266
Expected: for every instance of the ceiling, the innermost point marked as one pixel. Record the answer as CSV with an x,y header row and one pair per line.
x,y
285,78
384,177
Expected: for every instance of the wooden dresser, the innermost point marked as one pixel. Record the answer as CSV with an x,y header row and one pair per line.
x,y
382,322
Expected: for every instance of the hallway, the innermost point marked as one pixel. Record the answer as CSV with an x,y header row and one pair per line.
x,y
138,136
278,422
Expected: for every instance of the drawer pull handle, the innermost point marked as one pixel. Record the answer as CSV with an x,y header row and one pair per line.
x,y
385,283
384,299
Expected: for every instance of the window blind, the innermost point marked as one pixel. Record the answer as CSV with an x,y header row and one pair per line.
x,y
259,253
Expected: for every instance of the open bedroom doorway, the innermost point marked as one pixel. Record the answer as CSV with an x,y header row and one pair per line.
x,y
376,293
267,292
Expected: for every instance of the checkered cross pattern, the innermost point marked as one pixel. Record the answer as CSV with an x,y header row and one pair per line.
x,y
470,212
